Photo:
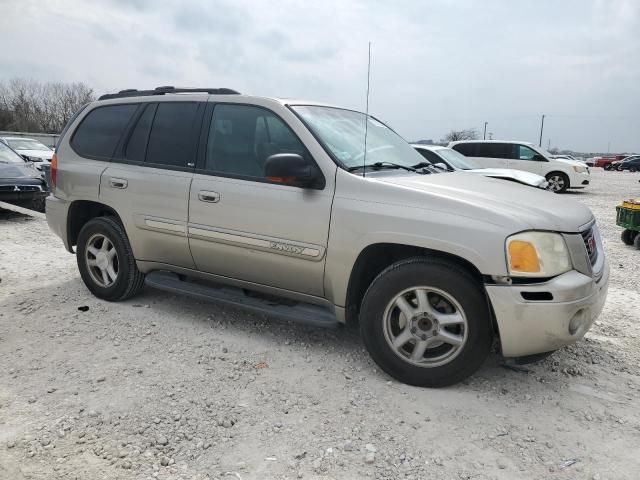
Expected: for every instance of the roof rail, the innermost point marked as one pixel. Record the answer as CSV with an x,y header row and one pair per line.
x,y
132,92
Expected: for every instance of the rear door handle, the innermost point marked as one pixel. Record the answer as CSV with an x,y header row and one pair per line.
x,y
211,197
118,183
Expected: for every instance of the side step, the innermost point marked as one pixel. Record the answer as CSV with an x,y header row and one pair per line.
x,y
313,315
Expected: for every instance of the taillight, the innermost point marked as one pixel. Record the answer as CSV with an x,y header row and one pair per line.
x,y
54,170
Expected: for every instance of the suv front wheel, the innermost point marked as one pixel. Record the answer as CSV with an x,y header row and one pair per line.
x,y
558,182
106,262
426,322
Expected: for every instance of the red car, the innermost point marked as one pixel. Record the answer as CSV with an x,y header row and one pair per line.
x,y
605,162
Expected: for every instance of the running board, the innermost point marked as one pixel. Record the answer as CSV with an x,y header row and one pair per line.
x,y
313,315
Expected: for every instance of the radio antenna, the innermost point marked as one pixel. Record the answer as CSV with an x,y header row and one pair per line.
x,y
366,120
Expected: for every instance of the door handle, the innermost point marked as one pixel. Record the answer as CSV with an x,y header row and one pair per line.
x,y
118,183
211,197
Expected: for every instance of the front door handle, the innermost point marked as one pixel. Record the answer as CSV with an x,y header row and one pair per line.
x,y
118,183
211,197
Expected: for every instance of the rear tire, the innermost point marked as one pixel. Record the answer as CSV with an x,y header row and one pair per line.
x,y
628,236
426,322
106,262
558,182
633,169
636,242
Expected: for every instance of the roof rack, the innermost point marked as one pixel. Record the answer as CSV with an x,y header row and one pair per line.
x,y
132,92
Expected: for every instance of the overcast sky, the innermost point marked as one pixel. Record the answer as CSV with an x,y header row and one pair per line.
x,y
436,64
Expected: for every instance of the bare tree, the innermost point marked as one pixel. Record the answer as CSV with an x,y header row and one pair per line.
x,y
32,106
468,134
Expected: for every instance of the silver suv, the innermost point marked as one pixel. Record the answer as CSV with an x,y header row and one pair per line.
x,y
277,205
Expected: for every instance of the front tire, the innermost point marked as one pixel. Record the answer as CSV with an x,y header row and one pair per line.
x,y
628,236
106,262
426,322
558,182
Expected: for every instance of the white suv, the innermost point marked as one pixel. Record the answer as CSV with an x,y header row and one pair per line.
x,y
560,173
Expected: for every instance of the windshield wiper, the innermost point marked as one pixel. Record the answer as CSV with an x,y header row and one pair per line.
x,y
379,165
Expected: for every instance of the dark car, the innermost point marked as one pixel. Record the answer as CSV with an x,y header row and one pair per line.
x,y
630,163
20,182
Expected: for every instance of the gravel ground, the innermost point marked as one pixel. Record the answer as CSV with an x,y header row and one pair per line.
x,y
170,388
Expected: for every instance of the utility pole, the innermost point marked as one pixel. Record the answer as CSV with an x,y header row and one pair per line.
x,y
548,144
541,129
484,136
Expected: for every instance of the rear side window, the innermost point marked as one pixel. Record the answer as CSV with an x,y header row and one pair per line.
x,y
99,133
466,149
170,141
493,150
137,146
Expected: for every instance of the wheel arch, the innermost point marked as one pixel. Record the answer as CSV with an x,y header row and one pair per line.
x,y
80,212
374,258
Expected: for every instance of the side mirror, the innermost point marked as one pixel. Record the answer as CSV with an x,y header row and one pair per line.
x,y
441,166
293,169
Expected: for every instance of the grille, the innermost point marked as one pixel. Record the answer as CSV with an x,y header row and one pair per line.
x,y
21,188
591,245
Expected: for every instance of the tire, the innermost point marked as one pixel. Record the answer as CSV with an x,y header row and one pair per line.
x,y
608,167
628,236
558,182
633,169
124,280
636,242
441,364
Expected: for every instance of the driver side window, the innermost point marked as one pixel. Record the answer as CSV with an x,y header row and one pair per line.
x,y
522,152
242,137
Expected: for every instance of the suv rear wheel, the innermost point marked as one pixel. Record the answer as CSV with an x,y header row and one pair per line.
x,y
106,262
426,322
558,182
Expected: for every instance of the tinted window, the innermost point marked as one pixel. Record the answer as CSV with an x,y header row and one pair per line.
x,y
522,152
493,150
170,142
429,155
137,146
100,131
466,149
241,138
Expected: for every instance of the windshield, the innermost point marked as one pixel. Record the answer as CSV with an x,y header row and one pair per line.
x,y
456,159
9,156
27,144
342,133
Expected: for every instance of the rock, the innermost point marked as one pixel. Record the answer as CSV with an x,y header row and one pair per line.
x,y
101,379
370,448
370,458
44,441
501,464
11,444
126,465
161,439
32,400
348,446
164,461
51,389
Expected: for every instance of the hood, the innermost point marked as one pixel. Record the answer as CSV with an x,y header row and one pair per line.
x,y
17,170
526,178
575,163
43,154
502,203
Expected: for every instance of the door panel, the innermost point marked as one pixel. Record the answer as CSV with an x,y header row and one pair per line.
x,y
153,207
244,226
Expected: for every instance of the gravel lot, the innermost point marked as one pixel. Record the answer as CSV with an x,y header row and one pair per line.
x,y
170,388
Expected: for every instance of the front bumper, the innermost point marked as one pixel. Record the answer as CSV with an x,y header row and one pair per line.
x,y
579,180
527,327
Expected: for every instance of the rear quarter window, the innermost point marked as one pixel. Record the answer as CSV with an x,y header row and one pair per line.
x,y
100,131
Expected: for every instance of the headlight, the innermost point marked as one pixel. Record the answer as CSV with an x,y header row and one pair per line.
x,y
537,254
579,169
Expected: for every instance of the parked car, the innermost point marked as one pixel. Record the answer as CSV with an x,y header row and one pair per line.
x,y
606,162
276,205
30,149
561,174
20,182
451,160
591,161
631,163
